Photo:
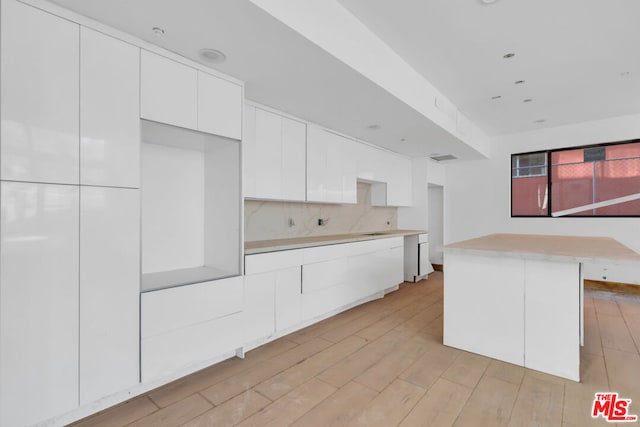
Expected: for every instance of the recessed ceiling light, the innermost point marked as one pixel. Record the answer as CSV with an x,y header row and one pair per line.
x,y
488,1
527,100
212,55
508,55
496,97
518,82
373,127
158,31
539,121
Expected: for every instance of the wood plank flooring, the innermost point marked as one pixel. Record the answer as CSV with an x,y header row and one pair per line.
x,y
383,364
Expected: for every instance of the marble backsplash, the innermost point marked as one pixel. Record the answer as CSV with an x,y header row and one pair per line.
x,y
265,220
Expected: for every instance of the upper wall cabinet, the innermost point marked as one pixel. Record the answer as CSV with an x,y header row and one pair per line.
x,y
176,94
398,181
274,149
39,109
393,170
109,111
331,167
169,91
219,106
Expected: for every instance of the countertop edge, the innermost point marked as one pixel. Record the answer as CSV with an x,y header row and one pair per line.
x,y
356,237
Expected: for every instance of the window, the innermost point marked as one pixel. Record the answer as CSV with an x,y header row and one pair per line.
x,y
529,182
600,180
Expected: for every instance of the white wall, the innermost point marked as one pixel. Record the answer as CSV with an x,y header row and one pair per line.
x,y
477,194
436,223
172,208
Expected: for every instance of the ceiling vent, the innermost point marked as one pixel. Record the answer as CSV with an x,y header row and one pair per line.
x,y
444,157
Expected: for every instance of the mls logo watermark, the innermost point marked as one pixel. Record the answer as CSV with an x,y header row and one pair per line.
x,y
612,408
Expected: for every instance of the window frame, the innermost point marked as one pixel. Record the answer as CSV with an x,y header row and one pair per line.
x,y
549,166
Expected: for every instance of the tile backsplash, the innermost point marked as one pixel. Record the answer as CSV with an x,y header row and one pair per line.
x,y
265,220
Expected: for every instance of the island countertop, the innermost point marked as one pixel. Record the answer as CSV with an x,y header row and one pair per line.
x,y
549,247
261,246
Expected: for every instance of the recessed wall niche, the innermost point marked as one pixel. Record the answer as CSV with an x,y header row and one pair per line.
x,y
191,206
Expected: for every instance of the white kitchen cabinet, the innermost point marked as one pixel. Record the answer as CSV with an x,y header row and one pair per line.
x,y
268,167
293,148
168,91
249,152
316,164
219,106
331,167
109,291
39,107
272,293
275,151
424,264
184,328
38,301
259,305
109,111
288,295
398,180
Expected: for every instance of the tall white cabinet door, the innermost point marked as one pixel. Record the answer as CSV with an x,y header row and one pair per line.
x,y
288,298
259,305
38,302
345,150
268,155
168,91
39,107
249,152
109,111
316,164
294,136
399,183
219,106
109,290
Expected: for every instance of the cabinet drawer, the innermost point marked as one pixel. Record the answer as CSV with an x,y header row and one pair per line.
x,y
325,253
271,261
175,351
175,308
323,275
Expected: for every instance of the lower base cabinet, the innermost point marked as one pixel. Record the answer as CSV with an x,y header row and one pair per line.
x,y
286,290
186,327
39,301
259,303
288,298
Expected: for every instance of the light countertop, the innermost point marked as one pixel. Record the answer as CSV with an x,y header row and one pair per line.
x,y
261,246
551,248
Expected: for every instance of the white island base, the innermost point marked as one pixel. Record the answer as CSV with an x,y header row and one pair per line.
x,y
525,312
519,298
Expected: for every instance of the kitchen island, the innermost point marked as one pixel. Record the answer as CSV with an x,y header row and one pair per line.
x,y
519,298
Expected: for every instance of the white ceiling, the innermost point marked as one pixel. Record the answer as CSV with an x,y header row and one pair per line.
x,y
280,68
571,54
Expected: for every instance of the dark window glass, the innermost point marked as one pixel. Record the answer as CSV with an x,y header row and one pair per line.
x,y
529,195
587,181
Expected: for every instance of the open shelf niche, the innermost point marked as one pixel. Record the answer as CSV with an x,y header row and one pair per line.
x,y
191,207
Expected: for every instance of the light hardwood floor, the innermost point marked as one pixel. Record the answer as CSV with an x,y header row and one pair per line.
x,y
383,364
